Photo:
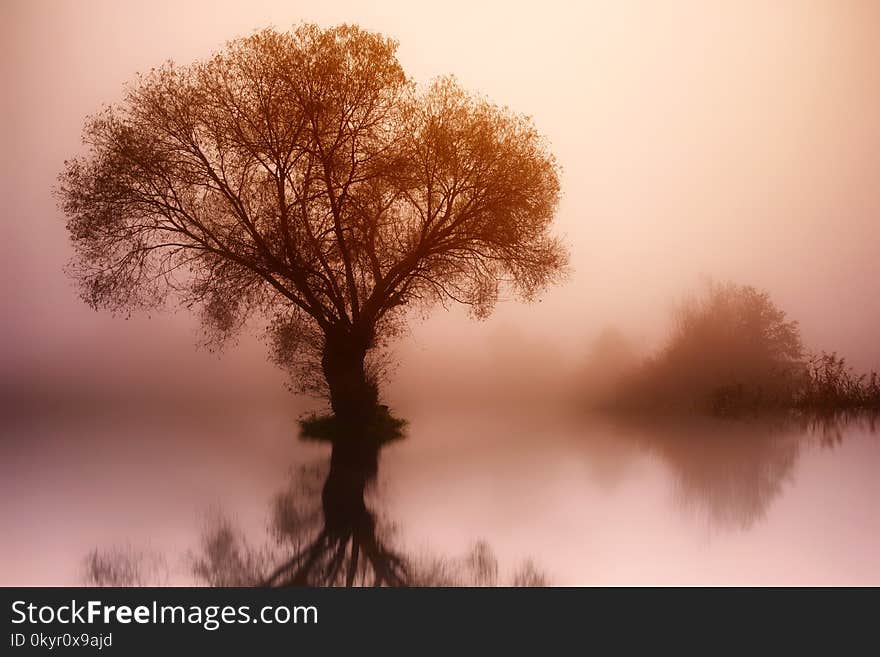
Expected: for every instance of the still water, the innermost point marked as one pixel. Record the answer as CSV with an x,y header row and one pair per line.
x,y
591,500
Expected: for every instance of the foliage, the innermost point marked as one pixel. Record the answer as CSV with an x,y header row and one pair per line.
x,y
382,429
732,349
831,385
303,181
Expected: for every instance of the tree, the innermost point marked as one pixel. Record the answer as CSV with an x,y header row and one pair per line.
x,y
731,347
301,178
736,344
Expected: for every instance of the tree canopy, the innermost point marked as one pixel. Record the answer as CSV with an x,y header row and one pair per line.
x,y
301,177
730,347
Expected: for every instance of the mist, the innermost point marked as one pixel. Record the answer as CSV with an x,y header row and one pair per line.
x,y
699,143
734,142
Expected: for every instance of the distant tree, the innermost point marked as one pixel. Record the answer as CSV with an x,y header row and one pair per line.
x,y
302,178
730,347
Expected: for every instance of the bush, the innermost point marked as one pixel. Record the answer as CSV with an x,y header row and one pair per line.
x,y
733,350
730,348
831,385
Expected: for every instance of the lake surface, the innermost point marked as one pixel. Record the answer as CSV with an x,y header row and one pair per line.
x,y
590,500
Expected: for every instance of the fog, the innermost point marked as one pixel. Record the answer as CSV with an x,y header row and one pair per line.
x,y
728,141
733,141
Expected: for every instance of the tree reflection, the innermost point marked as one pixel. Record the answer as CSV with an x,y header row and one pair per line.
x,y
731,470
829,428
350,544
349,547
728,470
322,531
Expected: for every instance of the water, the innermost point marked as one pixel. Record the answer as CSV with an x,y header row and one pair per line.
x,y
590,500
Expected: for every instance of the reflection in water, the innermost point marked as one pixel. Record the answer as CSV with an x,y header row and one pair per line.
x,y
732,469
125,566
830,429
349,547
324,533
326,526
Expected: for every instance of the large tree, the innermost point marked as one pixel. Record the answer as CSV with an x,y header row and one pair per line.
x,y
301,178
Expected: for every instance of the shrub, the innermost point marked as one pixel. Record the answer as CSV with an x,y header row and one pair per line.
x,y
731,347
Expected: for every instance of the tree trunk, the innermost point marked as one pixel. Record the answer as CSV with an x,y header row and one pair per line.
x,y
353,395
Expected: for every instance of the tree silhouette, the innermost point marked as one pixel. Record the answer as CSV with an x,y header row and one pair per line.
x,y
302,178
323,531
731,349
349,547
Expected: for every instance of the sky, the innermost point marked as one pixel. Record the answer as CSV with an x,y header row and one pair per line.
x,y
727,140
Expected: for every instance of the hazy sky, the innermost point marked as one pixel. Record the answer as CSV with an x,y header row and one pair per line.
x,y
738,140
